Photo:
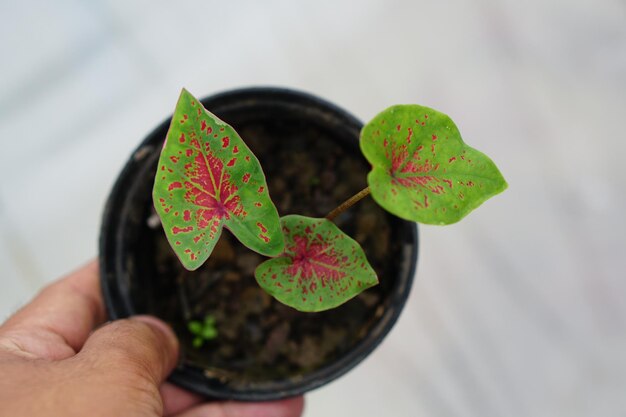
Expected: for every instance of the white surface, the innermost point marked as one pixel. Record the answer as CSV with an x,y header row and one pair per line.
x,y
520,310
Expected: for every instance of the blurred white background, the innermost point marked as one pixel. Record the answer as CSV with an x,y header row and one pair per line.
x,y
519,310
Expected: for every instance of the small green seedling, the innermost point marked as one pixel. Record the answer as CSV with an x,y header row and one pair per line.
x,y
203,331
208,179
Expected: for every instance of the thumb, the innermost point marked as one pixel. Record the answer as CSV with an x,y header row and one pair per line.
x,y
142,346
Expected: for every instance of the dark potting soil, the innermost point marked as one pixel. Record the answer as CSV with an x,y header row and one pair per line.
x,y
260,339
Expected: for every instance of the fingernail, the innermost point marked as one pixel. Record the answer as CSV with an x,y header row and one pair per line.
x,y
160,326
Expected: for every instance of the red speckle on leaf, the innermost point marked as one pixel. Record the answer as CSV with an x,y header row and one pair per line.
x,y
202,126
265,238
425,116
448,182
231,162
186,215
257,204
192,256
210,188
176,230
235,149
261,189
452,159
247,158
174,186
222,129
313,259
197,238
406,171
434,138
398,128
225,141
262,227
177,242
408,139
437,189
181,139
188,152
246,177
174,159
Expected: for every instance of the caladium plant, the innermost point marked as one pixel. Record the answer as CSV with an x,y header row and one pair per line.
x,y
208,179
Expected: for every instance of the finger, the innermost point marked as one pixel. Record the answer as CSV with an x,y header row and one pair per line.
x,y
58,321
291,407
176,399
142,346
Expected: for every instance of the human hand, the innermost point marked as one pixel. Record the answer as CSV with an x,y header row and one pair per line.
x,y
53,363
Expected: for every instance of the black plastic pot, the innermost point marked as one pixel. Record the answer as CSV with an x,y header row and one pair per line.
x,y
131,196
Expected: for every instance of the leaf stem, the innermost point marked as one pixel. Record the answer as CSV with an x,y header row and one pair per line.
x,y
348,203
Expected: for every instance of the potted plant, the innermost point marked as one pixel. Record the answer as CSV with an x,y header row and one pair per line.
x,y
284,304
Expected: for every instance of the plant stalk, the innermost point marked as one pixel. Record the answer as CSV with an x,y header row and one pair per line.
x,y
348,203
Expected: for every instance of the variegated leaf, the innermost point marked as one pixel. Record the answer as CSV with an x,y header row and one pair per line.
x,y
321,267
207,178
422,170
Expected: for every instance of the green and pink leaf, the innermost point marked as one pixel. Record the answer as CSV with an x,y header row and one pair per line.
x,y
207,179
321,267
422,170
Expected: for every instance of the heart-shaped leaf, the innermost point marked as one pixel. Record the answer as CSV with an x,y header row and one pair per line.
x,y
321,267
422,170
207,178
